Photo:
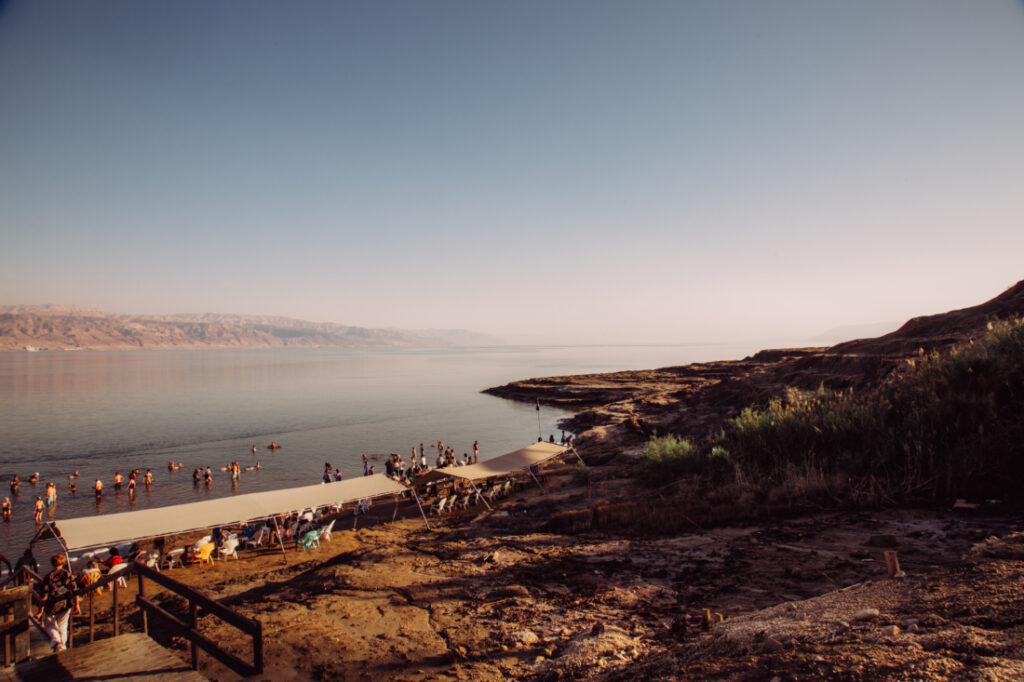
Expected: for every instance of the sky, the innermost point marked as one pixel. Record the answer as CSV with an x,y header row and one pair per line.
x,y
564,172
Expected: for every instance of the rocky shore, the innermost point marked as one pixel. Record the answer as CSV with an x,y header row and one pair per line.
x,y
623,409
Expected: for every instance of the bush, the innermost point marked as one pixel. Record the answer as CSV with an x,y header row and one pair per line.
x,y
944,424
668,458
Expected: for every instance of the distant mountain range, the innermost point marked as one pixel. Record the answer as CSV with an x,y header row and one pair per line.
x,y
67,327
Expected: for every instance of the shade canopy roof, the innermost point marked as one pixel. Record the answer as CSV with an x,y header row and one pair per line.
x,y
106,530
497,466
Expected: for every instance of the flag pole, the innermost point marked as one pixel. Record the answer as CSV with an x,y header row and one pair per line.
x,y
540,436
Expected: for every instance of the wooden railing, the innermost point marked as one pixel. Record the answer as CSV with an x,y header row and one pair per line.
x,y
187,629
183,628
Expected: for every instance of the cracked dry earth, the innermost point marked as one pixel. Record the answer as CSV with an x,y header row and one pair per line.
x,y
493,596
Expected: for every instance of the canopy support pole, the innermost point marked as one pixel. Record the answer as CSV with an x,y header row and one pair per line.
x,y
416,496
535,479
573,450
280,538
478,493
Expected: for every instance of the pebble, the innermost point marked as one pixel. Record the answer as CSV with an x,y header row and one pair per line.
x,y
891,630
866,614
526,637
773,646
914,627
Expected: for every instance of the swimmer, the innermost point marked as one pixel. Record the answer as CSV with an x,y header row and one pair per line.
x,y
98,487
170,466
38,513
273,446
149,478
258,467
254,448
76,473
14,484
7,509
33,478
118,480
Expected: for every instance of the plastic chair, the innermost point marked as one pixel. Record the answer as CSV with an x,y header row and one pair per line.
x,y
309,540
116,569
198,544
439,506
258,537
325,532
205,554
173,557
230,548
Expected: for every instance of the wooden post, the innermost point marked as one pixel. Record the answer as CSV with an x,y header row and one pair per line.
x,y
92,618
892,563
192,624
117,623
145,616
15,607
257,648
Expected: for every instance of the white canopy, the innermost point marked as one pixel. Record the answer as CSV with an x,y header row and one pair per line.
x,y
106,530
498,466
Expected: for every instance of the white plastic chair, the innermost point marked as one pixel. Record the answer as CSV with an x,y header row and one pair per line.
x,y
325,534
118,568
173,557
198,544
230,548
258,537
439,506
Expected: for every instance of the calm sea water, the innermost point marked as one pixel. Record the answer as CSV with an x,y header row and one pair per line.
x,y
101,412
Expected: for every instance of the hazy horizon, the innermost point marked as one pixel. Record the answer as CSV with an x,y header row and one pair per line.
x,y
576,172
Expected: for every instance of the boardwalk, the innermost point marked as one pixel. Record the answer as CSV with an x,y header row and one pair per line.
x,y
128,657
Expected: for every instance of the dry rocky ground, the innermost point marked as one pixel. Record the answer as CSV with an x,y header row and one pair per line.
x,y
492,595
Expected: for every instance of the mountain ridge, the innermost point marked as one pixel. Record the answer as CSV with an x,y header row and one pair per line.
x,y
71,327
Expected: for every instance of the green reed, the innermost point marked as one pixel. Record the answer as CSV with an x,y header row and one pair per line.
x,y
945,423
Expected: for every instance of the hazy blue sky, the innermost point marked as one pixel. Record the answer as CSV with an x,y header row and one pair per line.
x,y
588,171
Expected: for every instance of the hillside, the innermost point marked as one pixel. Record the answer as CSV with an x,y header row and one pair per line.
x,y
625,408
77,328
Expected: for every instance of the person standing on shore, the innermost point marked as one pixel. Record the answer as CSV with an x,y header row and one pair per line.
x,y
59,602
476,451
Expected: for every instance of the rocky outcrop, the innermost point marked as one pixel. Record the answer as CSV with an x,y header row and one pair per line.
x,y
694,400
